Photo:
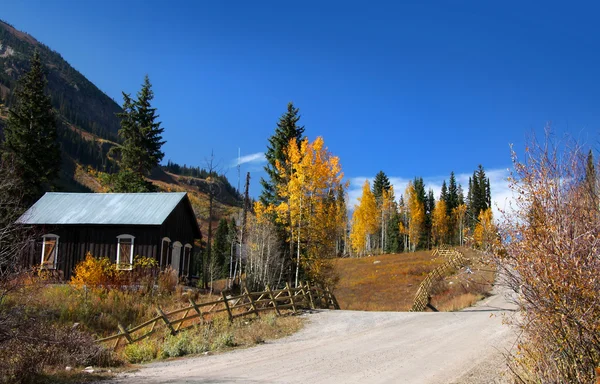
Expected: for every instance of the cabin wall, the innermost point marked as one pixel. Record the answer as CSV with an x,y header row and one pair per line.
x,y
100,240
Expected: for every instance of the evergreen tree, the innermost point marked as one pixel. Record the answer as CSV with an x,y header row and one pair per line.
x,y
452,201
232,237
444,192
31,134
220,249
479,196
393,240
287,129
380,183
141,133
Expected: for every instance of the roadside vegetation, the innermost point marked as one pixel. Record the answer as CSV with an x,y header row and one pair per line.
x,y
551,259
59,323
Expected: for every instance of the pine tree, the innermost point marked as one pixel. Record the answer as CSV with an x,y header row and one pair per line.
x,y
452,201
220,250
444,192
381,182
287,129
31,134
140,151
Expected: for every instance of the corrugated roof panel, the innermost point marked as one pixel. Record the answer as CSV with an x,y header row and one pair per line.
x,y
102,208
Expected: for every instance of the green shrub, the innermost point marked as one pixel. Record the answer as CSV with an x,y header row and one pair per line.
x,y
223,340
141,352
183,343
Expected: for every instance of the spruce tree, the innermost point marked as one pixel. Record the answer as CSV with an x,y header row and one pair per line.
x,y
444,192
287,129
452,201
220,249
381,182
31,134
140,150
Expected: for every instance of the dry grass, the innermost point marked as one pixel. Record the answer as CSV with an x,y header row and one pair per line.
x,y
390,282
384,282
467,286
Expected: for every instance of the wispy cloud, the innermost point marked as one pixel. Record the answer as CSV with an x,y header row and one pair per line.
x,y
501,194
255,158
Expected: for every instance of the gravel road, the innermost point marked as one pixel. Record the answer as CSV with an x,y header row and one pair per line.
x,y
361,347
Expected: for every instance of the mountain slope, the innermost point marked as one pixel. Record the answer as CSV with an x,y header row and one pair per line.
x,y
88,124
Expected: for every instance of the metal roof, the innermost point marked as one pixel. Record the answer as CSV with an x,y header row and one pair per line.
x,y
102,208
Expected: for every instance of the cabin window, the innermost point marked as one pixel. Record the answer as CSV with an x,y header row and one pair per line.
x,y
187,255
176,257
165,252
49,251
125,252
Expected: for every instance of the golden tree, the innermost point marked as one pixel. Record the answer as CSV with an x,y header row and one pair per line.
x,y
460,215
416,216
313,176
485,233
440,223
364,221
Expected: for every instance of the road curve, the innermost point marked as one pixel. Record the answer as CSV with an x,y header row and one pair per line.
x,y
361,347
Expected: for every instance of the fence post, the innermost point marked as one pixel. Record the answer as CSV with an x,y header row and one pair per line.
x,y
197,309
251,302
287,287
166,320
333,299
310,296
273,300
227,306
124,332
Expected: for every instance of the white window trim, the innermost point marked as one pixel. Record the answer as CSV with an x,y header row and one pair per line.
x,y
119,238
162,250
55,265
189,257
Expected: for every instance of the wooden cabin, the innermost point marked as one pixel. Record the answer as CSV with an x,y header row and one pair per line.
x,y
119,226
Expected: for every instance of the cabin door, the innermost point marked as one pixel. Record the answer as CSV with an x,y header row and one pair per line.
x,y
176,260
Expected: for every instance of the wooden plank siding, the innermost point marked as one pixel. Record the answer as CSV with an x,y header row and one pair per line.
x,y
75,240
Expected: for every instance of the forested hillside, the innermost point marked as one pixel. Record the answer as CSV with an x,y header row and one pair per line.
x,y
87,122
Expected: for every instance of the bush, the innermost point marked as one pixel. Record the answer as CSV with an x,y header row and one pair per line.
x,y
167,280
29,345
551,259
141,352
183,343
95,272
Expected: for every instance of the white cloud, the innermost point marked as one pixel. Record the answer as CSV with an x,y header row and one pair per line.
x,y
501,194
256,158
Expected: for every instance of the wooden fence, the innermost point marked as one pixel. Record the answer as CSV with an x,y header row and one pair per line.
x,y
248,303
455,260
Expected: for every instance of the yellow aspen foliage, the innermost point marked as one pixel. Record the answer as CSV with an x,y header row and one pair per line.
x,y
485,233
440,223
312,176
416,216
460,214
364,220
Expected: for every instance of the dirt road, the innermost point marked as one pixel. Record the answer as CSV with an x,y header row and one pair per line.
x,y
361,347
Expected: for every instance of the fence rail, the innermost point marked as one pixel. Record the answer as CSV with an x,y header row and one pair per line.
x,y
455,260
305,296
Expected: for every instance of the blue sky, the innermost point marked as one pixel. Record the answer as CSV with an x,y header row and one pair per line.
x,y
413,89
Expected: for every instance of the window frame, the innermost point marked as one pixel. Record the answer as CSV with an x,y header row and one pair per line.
x,y
164,259
54,265
120,265
187,256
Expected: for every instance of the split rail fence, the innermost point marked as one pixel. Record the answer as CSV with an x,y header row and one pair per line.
x,y
455,260
305,296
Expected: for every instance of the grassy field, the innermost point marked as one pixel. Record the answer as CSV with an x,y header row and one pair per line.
x,y
390,282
